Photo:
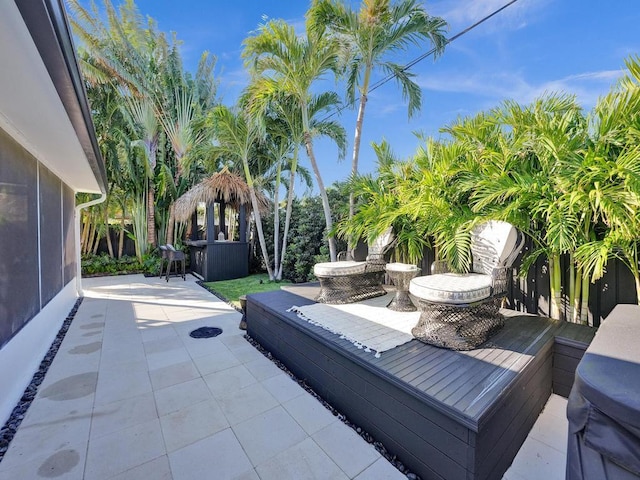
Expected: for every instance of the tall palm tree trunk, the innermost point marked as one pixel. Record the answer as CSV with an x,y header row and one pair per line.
x,y
555,293
357,138
354,162
584,306
92,234
256,213
106,225
121,237
171,224
151,214
323,195
287,215
276,222
571,314
85,233
96,238
577,295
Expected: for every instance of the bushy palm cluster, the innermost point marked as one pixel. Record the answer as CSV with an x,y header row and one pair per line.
x,y
568,179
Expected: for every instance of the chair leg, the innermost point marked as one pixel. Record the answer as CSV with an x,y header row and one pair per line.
x,y
169,270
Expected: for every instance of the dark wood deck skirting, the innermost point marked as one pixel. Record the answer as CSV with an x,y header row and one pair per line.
x,y
571,342
445,414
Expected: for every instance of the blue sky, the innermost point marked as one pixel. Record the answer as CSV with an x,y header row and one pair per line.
x,y
573,46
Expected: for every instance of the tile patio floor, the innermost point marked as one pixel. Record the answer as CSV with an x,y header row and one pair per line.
x,y
131,396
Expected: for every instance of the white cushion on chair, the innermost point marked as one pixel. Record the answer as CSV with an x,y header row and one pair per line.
x,y
452,287
492,245
382,242
347,267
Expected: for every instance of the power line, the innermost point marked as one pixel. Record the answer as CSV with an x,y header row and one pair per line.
x,y
416,60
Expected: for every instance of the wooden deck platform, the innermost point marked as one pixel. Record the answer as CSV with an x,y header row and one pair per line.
x,y
445,414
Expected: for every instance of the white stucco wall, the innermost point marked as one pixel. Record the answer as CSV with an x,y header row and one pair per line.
x,y
21,357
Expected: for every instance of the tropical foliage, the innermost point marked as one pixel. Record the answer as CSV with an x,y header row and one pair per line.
x,y
308,244
104,264
161,130
569,180
148,114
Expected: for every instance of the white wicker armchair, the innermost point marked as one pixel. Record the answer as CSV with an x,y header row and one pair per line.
x,y
461,311
348,281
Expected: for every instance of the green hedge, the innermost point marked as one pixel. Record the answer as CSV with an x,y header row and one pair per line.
x,y
103,264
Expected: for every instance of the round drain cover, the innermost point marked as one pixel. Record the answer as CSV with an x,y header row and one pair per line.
x,y
206,332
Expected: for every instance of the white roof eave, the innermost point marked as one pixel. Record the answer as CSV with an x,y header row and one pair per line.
x,y
31,109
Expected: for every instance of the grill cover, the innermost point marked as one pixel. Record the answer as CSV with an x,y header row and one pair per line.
x,y
604,404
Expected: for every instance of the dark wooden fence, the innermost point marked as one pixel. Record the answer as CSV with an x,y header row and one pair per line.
x,y
531,294
129,246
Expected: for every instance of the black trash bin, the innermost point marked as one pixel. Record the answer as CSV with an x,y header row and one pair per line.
x,y
604,404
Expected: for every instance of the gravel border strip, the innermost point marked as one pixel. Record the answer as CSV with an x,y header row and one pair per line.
x,y
359,430
10,428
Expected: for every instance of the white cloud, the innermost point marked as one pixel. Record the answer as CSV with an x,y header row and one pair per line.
x,y
235,77
496,85
388,108
232,82
511,85
586,86
463,13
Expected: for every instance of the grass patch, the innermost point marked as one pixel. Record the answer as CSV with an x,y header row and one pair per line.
x,y
232,289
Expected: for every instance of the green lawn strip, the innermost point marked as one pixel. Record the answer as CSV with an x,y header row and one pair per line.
x,y
232,289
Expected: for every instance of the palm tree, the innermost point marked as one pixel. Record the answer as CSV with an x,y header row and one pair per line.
x,y
285,62
236,135
374,33
265,103
124,52
110,131
142,113
178,124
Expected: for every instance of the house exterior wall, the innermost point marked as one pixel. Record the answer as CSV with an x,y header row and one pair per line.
x,y
37,265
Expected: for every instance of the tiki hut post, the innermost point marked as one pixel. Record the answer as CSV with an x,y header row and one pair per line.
x,y
211,222
221,218
194,225
242,220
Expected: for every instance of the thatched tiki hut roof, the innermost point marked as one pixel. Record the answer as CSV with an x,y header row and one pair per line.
x,y
223,186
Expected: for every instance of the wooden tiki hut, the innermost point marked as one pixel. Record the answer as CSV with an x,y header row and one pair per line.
x,y
217,257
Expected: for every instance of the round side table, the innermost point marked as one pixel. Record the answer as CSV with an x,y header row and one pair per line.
x,y
401,274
